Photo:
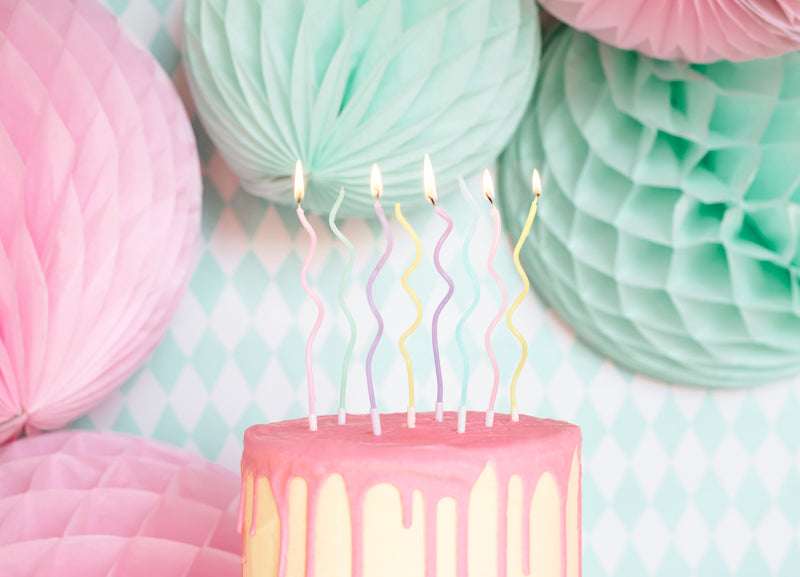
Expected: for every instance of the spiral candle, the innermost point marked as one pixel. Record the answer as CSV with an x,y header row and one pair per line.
x,y
476,295
411,408
430,192
299,192
351,259
537,191
376,184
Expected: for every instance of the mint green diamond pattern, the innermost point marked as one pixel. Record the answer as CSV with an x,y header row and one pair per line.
x,y
711,499
165,51
170,429
252,356
242,329
628,427
671,500
209,358
167,362
117,6
250,280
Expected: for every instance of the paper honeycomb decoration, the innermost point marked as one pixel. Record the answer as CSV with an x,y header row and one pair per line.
x,y
90,504
668,230
100,190
343,84
696,30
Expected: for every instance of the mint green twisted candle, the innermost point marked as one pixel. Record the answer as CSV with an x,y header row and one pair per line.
x,y
476,295
351,259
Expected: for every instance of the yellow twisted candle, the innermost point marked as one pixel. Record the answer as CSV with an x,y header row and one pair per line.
x,y
415,324
537,191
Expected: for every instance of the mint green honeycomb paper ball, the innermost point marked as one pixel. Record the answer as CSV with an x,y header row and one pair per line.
x,y
343,84
667,235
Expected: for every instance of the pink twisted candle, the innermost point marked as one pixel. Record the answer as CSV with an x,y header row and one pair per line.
x,y
312,417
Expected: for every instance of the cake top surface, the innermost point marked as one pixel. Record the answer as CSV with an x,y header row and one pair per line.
x,y
428,440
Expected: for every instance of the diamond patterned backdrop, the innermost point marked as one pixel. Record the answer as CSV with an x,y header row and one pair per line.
x,y
677,481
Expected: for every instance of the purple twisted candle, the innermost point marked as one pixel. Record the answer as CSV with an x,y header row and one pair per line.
x,y
429,185
377,187
438,312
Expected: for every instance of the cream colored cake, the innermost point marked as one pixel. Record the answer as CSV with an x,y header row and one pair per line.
x,y
427,501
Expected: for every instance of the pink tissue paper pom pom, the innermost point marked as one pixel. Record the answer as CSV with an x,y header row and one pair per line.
x,y
100,190
78,503
691,30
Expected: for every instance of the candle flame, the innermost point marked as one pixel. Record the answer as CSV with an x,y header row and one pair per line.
x,y
488,185
376,182
299,183
428,181
536,183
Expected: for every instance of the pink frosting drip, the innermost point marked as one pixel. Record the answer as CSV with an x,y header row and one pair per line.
x,y
432,458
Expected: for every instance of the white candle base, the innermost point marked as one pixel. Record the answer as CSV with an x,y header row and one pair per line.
x,y
342,417
376,422
489,418
439,412
515,415
412,417
462,419
312,422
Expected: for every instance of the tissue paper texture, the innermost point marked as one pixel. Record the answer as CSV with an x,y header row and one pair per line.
x,y
668,230
341,84
105,504
100,189
693,30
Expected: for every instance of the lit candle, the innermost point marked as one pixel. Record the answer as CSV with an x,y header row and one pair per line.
x,y
351,259
476,295
376,186
488,190
429,185
299,192
411,410
536,184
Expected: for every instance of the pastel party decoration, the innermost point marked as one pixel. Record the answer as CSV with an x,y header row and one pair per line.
x,y
697,31
476,297
376,185
523,236
80,503
299,193
429,185
342,85
417,320
351,252
488,191
100,189
669,239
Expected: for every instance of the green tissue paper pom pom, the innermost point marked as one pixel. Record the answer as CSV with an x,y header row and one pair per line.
x,y
342,84
668,230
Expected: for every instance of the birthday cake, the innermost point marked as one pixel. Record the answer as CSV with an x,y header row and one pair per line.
x,y
340,501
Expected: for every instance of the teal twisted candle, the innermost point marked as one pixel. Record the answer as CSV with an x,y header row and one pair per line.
x,y
351,259
476,295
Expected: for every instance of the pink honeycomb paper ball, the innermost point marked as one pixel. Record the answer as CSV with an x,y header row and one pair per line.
x,y
697,31
100,190
88,504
